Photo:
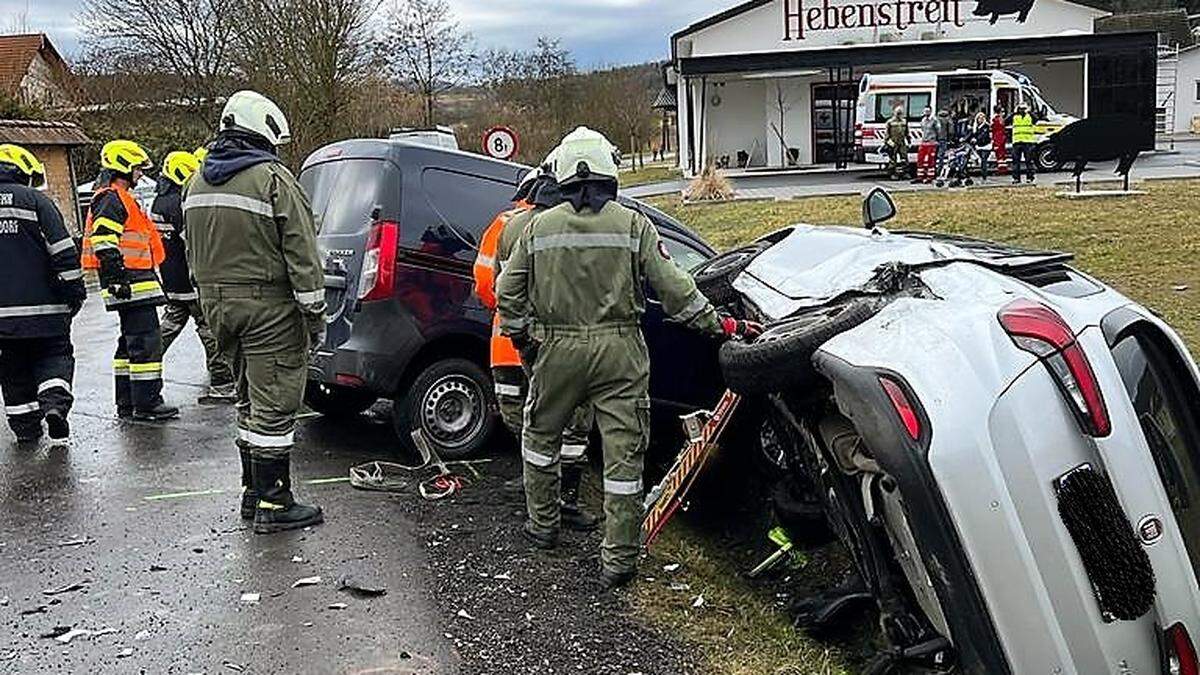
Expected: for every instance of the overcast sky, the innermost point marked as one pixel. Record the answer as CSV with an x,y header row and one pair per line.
x,y
598,32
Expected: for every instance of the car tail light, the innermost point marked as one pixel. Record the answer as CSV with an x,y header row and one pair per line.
x,y
348,380
379,262
1181,652
903,406
1039,330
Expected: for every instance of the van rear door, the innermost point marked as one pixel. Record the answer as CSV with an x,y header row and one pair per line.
x,y
348,195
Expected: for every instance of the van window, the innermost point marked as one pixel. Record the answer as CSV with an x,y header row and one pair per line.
x,y
465,202
913,102
344,192
1154,377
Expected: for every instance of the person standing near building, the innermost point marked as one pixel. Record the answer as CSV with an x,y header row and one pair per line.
x,y
897,143
1000,141
944,129
41,290
252,249
927,150
183,303
571,297
122,243
981,138
1024,142
537,192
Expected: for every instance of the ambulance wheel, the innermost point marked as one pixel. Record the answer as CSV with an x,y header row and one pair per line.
x,y
1046,158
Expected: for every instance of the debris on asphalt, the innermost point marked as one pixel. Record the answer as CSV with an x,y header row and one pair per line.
x,y
1179,288
337,605
297,559
69,588
306,581
158,568
73,633
82,541
141,636
236,667
503,577
360,589
464,614
251,598
55,632
4,601
125,653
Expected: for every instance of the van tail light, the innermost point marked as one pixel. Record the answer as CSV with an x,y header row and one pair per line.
x,y
858,134
379,262
1181,652
903,405
1039,330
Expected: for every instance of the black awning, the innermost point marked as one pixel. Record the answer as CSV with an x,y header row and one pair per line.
x,y
919,52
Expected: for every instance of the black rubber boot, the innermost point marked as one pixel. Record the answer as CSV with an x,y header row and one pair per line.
x,y
277,510
158,413
59,428
539,539
574,517
249,496
611,580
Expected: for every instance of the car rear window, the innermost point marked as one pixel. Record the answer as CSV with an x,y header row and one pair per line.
x,y
1164,397
345,191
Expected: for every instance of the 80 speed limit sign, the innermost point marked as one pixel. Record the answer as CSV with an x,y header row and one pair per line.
x,y
500,143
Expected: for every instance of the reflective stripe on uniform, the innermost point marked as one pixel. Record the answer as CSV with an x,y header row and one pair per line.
x,y
121,367
537,458
183,297
145,371
485,261
71,275
309,297
22,409
138,291
54,382
239,202
108,224
59,246
33,310
585,240
264,440
623,487
573,450
507,390
694,307
20,214
103,241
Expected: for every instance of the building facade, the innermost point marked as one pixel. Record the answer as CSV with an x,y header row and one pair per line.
x,y
32,72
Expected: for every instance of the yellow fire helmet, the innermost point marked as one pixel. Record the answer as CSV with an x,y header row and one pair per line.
x,y
178,166
201,153
124,156
24,160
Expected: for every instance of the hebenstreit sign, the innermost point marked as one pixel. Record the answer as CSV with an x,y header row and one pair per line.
x,y
803,24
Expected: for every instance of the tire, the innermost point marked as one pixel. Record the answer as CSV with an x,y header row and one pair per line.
x,y
803,515
338,402
715,276
1045,157
781,358
451,402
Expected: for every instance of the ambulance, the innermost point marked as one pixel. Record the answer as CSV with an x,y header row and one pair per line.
x,y
962,92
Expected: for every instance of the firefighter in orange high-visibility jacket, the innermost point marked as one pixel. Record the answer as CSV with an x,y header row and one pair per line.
x,y
122,243
538,191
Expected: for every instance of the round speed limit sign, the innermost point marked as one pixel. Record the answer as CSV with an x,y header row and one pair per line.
x,y
500,143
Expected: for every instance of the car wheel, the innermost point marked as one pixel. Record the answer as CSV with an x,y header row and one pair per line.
x,y
1046,158
715,276
334,401
781,358
450,401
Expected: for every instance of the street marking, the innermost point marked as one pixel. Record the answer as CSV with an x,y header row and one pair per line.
x,y
221,491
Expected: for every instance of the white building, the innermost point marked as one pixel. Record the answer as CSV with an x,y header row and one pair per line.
x,y
773,74
1187,91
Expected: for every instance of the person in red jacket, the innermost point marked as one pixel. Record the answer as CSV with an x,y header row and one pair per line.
x,y
1000,141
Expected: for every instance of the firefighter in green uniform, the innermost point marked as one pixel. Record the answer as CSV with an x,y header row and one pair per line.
x,y
897,143
252,249
571,298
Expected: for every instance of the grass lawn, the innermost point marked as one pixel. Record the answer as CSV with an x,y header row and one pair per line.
x,y
1146,246
650,174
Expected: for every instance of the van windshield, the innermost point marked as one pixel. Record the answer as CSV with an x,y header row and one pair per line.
x,y
914,103
345,191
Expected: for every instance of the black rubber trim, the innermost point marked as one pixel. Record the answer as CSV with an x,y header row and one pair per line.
x,y
861,397
1116,324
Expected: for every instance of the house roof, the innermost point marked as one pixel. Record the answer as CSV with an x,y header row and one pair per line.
x,y
17,52
1171,24
42,132
665,100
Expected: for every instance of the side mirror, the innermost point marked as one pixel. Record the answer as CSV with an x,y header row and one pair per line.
x,y
878,207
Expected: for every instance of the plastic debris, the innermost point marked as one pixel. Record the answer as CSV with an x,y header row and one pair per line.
x,y
125,653
698,602
464,614
66,638
4,601
236,667
306,581
69,588
158,568
251,598
1179,288
360,589
82,541
337,605
503,577
680,587
673,567
141,636
297,559
55,632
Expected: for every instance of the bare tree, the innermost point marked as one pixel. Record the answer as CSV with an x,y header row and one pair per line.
x,y
428,51
783,105
17,23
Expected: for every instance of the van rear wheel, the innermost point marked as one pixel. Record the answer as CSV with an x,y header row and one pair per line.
x,y
451,403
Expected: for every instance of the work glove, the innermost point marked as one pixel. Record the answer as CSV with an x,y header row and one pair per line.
x,y
112,270
316,331
527,347
740,329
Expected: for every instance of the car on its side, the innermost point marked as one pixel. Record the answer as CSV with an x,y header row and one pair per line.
x,y
399,227
1009,448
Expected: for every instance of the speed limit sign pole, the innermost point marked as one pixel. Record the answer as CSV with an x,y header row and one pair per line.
x,y
500,143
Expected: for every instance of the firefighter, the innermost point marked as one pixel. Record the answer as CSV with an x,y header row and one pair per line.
x,y
252,250
183,303
41,290
1024,140
537,192
122,243
897,143
571,297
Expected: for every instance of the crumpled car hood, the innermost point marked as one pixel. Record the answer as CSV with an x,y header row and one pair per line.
x,y
812,265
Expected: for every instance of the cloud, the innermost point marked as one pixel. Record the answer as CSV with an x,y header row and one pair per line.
x,y
598,32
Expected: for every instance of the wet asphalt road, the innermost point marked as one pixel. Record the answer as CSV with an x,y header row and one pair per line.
x,y
166,571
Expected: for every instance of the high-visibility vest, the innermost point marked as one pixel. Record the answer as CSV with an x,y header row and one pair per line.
x,y
1023,129
503,353
140,244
